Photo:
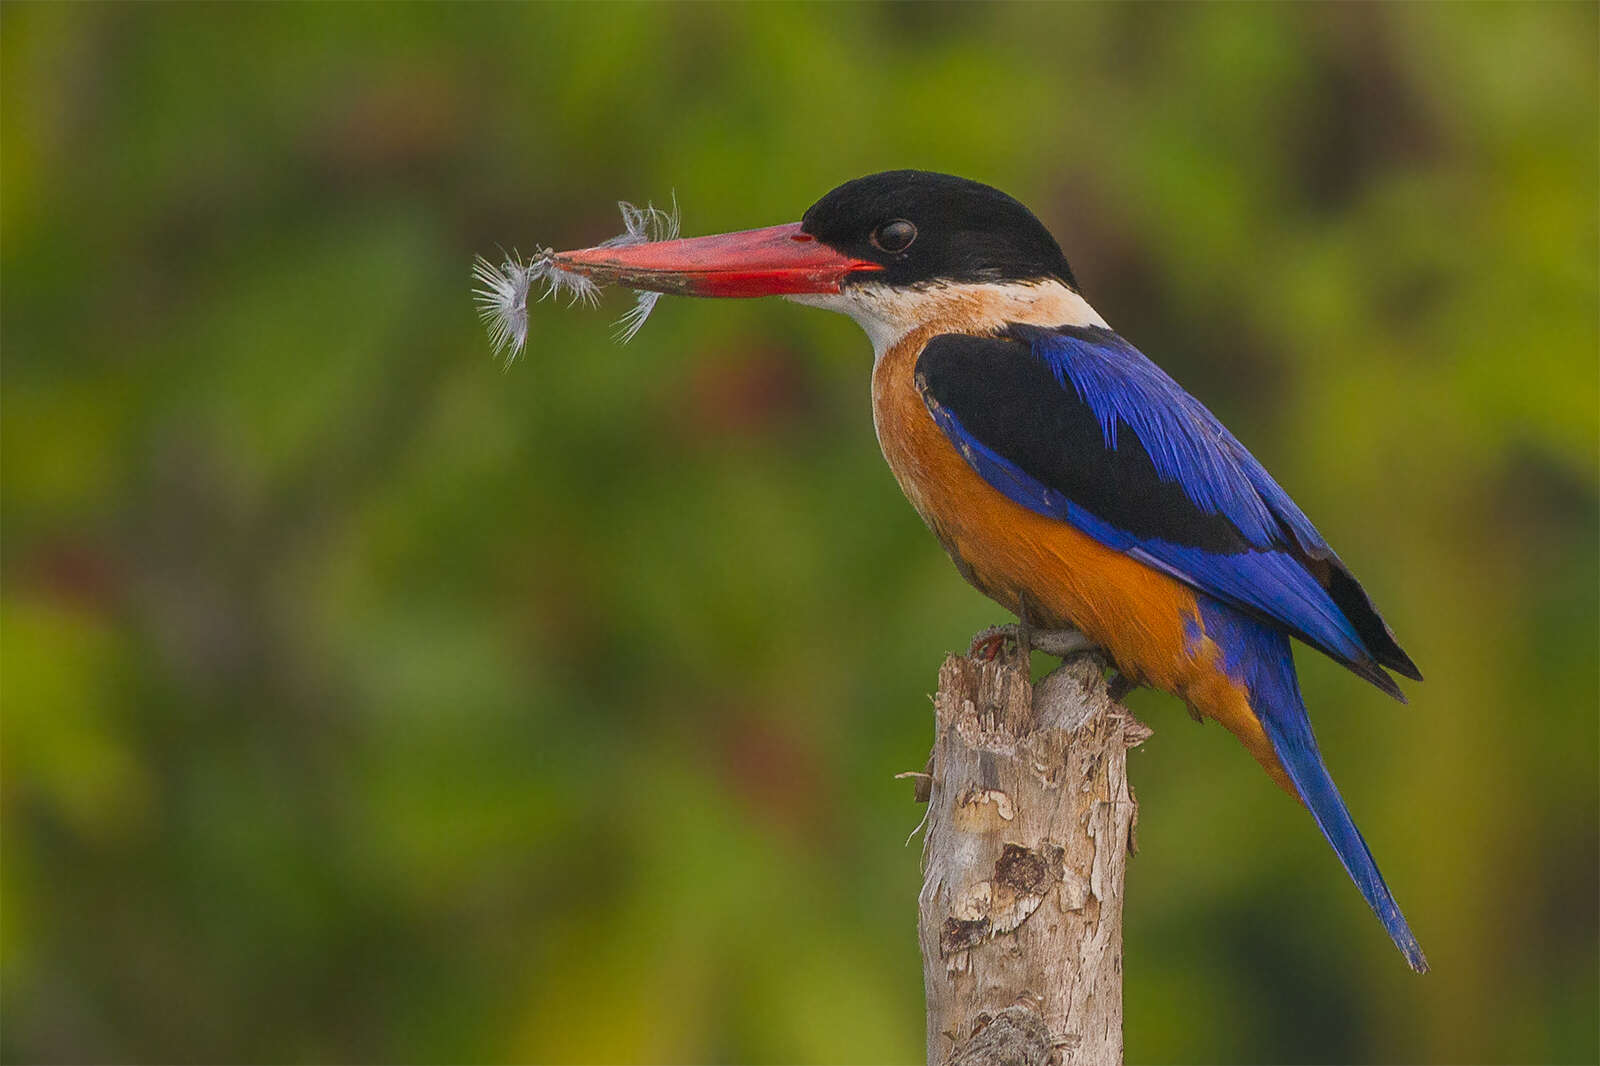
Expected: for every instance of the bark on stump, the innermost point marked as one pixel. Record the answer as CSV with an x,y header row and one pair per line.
x,y
1030,824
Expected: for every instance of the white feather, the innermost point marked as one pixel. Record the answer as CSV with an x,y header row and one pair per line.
x,y
502,299
502,292
630,323
559,283
644,225
502,296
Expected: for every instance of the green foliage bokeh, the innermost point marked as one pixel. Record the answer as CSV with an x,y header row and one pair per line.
x,y
362,702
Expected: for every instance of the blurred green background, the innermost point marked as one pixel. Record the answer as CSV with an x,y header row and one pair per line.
x,y
365,702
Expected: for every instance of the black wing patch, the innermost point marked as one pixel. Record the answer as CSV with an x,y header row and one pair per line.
x,y
1011,401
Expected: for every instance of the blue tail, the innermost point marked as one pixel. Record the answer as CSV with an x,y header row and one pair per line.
x,y
1259,656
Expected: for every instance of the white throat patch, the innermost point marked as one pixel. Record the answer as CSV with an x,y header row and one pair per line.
x,y
888,314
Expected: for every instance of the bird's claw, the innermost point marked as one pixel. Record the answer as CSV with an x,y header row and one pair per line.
x,y
987,644
1062,643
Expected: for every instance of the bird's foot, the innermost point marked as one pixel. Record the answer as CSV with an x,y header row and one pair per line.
x,y
1062,643
987,644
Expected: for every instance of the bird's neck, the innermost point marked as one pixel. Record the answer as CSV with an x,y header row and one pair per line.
x,y
890,315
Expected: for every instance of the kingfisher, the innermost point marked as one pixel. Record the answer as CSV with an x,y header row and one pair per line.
x,y
1069,478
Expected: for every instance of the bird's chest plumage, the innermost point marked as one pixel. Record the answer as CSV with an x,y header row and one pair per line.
x,y
993,542
934,478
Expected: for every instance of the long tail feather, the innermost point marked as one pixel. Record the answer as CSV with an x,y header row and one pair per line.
x,y
1260,657
1290,732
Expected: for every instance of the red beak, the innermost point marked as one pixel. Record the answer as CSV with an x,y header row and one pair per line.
x,y
775,261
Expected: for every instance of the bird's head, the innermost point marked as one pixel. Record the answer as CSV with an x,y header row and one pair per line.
x,y
924,229
897,251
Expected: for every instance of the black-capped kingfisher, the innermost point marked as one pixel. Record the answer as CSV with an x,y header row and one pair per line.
x,y
1069,478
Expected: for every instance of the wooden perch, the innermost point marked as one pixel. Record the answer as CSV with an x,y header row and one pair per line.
x,y
1030,824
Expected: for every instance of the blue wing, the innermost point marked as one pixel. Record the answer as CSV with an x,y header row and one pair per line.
x,y
1075,423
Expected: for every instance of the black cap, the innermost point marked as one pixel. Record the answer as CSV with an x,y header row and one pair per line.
x,y
960,231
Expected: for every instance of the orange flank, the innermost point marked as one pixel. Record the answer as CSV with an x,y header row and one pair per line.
x,y
1146,620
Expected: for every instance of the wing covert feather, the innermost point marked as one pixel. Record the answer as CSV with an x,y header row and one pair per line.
x,y
1076,424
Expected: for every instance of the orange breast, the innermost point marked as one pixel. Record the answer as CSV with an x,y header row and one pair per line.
x,y
1148,621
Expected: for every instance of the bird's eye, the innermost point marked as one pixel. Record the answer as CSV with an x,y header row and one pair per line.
x,y
894,236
